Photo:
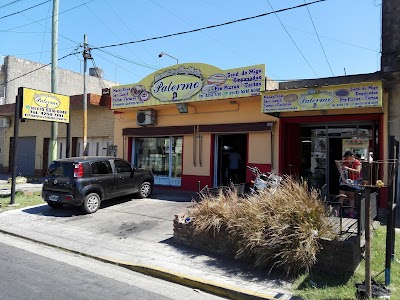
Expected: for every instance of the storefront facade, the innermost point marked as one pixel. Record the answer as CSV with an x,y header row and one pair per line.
x,y
318,124
184,121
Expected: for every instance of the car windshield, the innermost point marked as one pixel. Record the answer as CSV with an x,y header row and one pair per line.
x,y
61,169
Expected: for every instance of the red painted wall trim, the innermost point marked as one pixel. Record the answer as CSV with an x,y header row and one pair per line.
x,y
327,119
191,182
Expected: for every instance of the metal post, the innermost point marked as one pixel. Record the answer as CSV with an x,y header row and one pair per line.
x,y
85,56
54,77
15,148
68,146
368,242
391,213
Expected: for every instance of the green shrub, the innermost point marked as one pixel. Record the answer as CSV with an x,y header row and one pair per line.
x,y
279,230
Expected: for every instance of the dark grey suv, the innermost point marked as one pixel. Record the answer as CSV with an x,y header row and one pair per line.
x,y
86,181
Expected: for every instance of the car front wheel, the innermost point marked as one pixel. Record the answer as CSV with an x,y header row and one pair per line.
x,y
91,203
145,190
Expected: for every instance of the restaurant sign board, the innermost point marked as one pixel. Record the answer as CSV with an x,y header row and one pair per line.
x,y
45,106
190,82
367,94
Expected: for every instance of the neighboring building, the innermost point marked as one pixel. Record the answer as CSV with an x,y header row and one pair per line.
x,y
34,136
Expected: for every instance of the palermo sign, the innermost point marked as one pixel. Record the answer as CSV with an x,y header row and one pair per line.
x,y
190,82
44,100
179,84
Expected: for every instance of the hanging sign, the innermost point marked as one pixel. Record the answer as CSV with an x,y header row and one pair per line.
x,y
367,94
45,106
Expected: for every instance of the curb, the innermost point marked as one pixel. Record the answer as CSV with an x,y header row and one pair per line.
x,y
185,280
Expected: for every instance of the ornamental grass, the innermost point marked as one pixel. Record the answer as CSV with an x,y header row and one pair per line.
x,y
279,230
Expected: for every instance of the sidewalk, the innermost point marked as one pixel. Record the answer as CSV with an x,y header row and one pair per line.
x,y
138,234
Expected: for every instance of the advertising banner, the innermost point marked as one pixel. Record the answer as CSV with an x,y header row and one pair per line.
x,y
189,83
368,94
45,106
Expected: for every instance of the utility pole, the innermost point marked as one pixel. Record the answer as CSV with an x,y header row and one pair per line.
x,y
86,56
54,77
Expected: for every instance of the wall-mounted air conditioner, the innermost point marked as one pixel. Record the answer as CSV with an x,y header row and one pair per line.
x,y
145,117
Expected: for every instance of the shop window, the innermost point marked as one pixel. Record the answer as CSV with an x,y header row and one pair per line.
x,y
162,155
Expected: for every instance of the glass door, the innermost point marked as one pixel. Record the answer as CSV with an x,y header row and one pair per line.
x,y
322,145
162,155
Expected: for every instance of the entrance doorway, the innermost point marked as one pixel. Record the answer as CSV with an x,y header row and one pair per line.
x,y
322,145
225,146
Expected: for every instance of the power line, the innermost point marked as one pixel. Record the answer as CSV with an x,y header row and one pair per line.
x,y
292,39
44,34
129,29
122,68
47,17
208,36
336,40
21,11
11,3
322,47
105,25
130,61
209,27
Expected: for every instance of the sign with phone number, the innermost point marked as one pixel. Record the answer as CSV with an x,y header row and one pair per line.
x,y
367,94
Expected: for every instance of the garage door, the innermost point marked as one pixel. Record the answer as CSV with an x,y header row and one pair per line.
x,y
25,159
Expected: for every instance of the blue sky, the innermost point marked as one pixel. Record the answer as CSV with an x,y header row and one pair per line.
x,y
349,31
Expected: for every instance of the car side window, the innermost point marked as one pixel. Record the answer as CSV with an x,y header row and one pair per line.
x,y
101,168
122,166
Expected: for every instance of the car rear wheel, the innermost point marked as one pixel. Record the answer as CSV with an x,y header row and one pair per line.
x,y
54,204
91,203
145,190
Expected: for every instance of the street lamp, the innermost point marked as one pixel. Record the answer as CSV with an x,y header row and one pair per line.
x,y
163,53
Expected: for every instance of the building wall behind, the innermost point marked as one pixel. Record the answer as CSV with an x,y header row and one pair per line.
x,y
100,124
69,82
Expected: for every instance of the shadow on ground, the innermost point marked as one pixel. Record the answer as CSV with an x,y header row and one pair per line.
x,y
233,267
70,211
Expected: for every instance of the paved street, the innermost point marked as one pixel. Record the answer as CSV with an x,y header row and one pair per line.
x,y
32,271
137,234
